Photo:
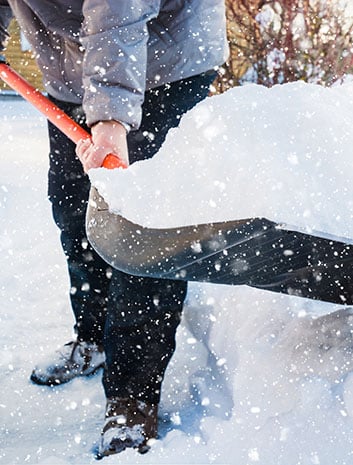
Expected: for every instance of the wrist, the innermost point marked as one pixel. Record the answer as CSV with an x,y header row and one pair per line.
x,y
126,126
113,123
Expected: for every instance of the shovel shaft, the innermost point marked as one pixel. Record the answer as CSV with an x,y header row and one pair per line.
x,y
53,113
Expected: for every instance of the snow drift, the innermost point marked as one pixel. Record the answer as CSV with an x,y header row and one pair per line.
x,y
281,153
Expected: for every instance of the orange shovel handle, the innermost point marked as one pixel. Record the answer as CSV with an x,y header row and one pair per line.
x,y
53,113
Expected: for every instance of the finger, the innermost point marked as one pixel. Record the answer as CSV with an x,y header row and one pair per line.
x,y
92,157
82,146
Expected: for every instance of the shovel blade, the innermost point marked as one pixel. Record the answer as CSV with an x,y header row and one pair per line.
x,y
254,252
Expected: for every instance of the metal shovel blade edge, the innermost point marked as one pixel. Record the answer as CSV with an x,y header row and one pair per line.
x,y
254,252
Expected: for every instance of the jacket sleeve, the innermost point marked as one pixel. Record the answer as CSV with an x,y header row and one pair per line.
x,y
114,37
5,18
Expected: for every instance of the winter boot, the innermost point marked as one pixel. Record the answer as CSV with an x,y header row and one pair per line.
x,y
128,423
74,359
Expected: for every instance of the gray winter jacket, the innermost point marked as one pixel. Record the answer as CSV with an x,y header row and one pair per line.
x,y
105,53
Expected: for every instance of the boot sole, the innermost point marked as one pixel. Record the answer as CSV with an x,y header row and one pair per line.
x,y
52,382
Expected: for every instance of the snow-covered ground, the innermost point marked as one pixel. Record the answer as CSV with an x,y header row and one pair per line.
x,y
257,378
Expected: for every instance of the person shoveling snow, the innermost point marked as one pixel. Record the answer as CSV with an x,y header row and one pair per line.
x,y
116,67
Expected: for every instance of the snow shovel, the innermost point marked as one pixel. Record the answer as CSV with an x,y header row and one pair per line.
x,y
254,251
53,113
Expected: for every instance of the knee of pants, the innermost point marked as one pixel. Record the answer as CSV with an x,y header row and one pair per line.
x,y
136,300
69,219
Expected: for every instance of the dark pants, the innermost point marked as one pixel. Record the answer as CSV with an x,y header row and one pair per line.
x,y
134,318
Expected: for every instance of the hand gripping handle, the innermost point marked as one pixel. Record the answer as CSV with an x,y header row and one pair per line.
x,y
53,113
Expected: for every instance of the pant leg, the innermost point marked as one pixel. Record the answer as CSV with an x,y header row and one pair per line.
x,y
140,335
68,192
144,313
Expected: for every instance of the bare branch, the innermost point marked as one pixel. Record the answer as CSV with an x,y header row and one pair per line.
x,y
277,41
